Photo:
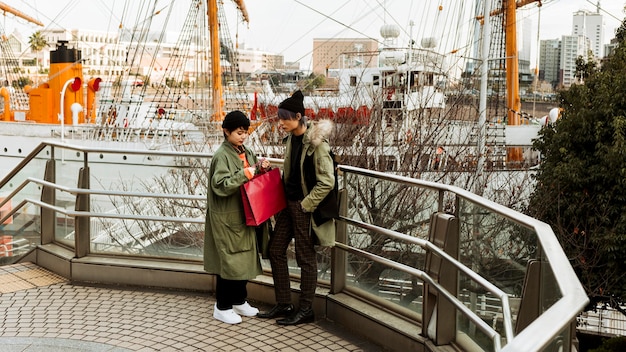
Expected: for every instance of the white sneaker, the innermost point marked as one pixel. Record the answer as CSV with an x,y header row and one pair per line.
x,y
227,316
245,309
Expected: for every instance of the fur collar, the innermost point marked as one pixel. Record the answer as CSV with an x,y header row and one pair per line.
x,y
319,131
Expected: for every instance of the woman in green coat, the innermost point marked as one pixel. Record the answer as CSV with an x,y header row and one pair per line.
x,y
230,248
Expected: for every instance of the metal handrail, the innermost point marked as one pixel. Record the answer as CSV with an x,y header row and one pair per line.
x,y
75,191
504,298
494,335
74,213
538,334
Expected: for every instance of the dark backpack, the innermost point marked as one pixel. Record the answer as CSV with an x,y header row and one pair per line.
x,y
329,206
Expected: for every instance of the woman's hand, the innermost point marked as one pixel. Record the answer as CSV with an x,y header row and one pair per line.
x,y
249,172
265,164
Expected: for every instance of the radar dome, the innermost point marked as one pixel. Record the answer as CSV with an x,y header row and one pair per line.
x,y
389,31
429,42
554,114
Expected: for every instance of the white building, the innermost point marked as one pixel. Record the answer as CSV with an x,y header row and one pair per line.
x,y
251,60
111,56
524,44
590,25
101,52
572,46
104,55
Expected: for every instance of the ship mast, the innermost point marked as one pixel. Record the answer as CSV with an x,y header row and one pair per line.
x,y
513,102
6,8
216,69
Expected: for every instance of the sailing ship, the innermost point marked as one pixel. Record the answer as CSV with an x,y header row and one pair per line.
x,y
397,117
405,116
115,107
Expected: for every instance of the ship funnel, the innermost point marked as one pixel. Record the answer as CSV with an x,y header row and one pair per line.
x,y
54,98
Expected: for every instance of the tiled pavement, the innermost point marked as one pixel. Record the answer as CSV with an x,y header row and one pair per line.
x,y
41,311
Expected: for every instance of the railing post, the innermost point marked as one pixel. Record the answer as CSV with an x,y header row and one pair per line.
x,y
48,195
439,314
82,229
339,258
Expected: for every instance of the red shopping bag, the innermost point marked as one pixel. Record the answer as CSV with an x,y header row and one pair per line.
x,y
263,196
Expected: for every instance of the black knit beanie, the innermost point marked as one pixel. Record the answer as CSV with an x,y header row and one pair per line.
x,y
235,119
295,103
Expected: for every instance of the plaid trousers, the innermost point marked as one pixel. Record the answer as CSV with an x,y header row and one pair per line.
x,y
293,223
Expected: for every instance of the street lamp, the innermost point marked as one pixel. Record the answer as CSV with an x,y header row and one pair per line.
x,y
75,86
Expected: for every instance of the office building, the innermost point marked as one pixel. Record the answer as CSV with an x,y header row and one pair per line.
x,y
335,53
550,61
572,46
590,25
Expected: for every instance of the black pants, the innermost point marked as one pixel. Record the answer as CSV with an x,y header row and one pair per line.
x,y
229,292
293,223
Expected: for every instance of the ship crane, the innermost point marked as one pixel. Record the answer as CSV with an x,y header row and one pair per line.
x,y
8,9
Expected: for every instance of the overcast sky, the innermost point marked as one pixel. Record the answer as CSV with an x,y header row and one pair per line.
x,y
289,26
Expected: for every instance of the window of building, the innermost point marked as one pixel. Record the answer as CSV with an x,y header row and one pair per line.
x,y
387,162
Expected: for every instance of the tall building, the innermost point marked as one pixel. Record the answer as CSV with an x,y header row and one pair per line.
x,y
334,53
550,61
524,37
524,43
609,49
590,25
572,46
255,60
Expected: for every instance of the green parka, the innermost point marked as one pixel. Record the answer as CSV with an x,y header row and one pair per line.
x,y
230,248
315,142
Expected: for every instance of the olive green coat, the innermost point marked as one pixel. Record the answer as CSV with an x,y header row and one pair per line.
x,y
315,142
230,248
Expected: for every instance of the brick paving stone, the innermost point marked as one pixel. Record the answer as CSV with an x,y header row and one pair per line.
x,y
141,319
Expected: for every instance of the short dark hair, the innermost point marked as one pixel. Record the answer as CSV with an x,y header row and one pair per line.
x,y
285,114
235,119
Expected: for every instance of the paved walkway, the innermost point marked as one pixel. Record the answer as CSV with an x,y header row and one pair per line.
x,y
41,311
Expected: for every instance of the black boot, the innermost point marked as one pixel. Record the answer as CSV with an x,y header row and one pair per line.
x,y
279,310
302,316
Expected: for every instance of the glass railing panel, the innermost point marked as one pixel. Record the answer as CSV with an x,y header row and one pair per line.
x,y
34,168
470,338
394,286
550,292
392,205
147,238
20,232
500,250
67,164
396,206
163,174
